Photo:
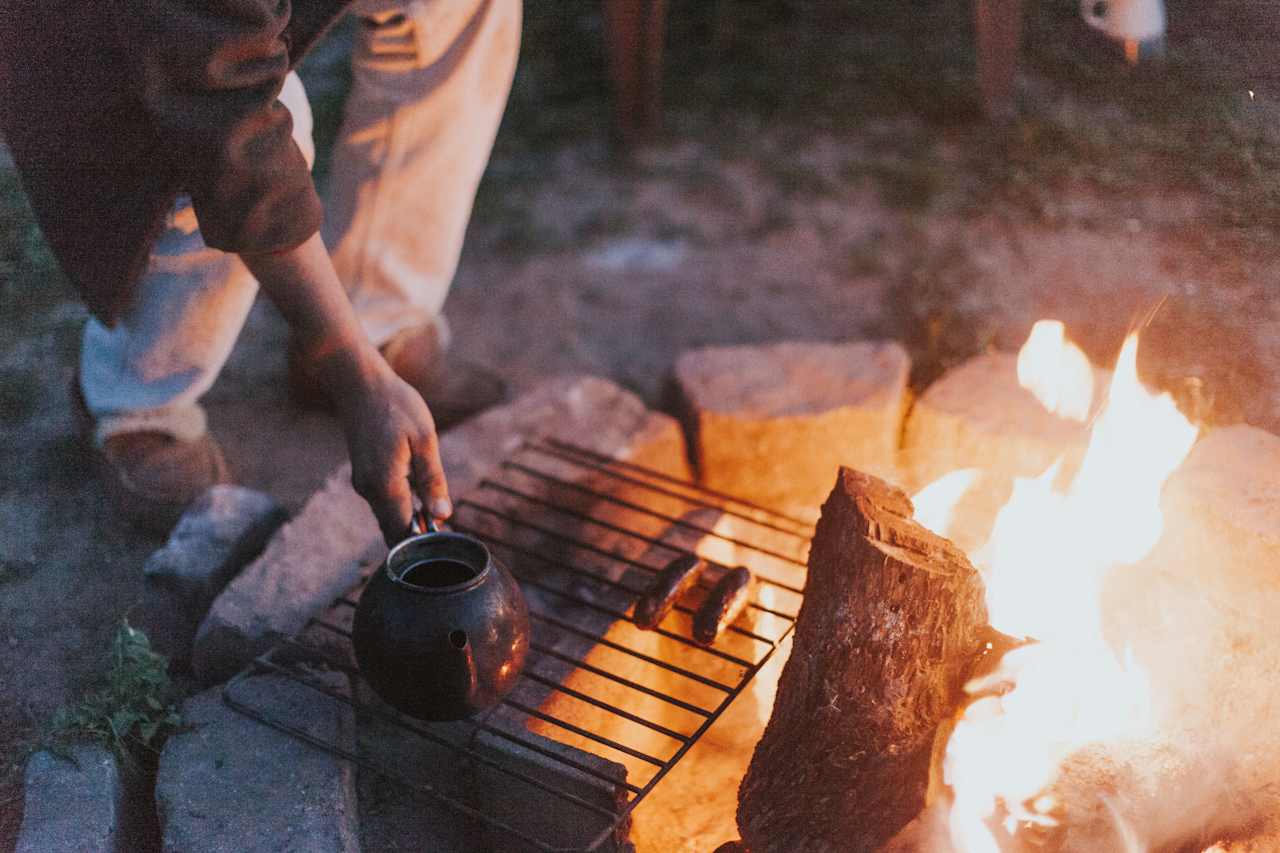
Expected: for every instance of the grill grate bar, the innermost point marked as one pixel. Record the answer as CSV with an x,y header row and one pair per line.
x,y
631,505
546,682
581,732
557,536
605,706
400,721
416,784
584,517
599,462
612,584
561,759
621,615
541,715
265,663
581,664
618,679
650,659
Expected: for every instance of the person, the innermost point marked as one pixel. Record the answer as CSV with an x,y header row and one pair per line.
x,y
165,148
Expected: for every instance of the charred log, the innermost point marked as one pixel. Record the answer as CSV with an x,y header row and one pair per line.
x,y
893,620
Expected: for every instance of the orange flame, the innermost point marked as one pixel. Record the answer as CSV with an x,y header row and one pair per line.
x,y
1044,564
1056,371
935,504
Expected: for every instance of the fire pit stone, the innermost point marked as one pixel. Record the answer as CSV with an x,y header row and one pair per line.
x,y
773,422
231,784
73,803
223,530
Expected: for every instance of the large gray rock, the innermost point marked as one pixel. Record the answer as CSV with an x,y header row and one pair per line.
x,y
312,559
319,554
775,423
73,804
233,785
223,530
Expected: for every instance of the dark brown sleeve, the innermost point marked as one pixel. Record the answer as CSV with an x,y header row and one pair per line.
x,y
211,74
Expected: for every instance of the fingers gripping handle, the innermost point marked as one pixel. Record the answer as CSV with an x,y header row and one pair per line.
x,y
422,523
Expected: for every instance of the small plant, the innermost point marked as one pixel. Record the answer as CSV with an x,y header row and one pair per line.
x,y
132,714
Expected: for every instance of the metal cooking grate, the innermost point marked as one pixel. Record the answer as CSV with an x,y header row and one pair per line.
x,y
581,532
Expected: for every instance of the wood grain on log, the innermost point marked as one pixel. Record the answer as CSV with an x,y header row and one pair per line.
x,y
892,619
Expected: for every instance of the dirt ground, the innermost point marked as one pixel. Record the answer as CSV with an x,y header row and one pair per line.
x,y
811,194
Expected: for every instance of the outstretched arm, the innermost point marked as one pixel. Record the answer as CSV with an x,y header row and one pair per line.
x,y
211,73
390,433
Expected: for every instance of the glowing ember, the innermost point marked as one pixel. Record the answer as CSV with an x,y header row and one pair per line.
x,y
1056,371
1044,565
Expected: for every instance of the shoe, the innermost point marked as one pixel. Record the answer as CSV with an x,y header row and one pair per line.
x,y
453,389
152,477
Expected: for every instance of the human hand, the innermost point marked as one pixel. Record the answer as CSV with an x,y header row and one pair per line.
x,y
391,436
394,450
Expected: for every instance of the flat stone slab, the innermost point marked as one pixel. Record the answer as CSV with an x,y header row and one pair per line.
x,y
774,423
319,554
234,785
223,530
75,803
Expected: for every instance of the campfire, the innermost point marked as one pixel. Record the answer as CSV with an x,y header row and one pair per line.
x,y
1053,545
998,700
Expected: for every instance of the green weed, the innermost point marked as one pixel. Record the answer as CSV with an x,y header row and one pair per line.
x,y
132,713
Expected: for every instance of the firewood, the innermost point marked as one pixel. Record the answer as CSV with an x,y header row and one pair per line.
x,y
892,622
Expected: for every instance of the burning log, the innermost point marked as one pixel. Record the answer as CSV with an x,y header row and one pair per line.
x,y
892,623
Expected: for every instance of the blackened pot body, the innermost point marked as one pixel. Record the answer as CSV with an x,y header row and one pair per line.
x,y
442,629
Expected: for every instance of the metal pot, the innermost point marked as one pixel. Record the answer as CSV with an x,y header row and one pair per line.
x,y
442,629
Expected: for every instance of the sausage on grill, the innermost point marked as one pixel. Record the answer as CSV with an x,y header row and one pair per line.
x,y
667,587
725,601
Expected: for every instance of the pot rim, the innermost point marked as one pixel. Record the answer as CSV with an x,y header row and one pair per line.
x,y
421,538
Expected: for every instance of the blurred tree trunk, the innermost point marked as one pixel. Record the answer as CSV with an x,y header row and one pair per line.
x,y
999,34
635,32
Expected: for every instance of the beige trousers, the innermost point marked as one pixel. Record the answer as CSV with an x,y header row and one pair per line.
x,y
430,82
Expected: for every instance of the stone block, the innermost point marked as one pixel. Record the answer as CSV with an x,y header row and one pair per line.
x,y
223,530
231,784
312,559
75,803
774,423
319,554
